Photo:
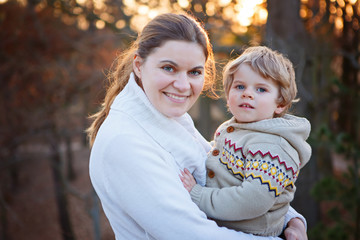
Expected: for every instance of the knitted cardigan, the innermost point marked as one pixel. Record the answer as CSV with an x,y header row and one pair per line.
x,y
134,167
252,169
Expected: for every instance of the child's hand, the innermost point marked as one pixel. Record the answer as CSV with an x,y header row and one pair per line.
x,y
187,179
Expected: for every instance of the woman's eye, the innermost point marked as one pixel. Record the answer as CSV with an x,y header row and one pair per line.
x,y
168,68
261,90
195,72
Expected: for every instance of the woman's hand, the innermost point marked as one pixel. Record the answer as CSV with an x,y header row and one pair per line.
x,y
295,230
187,179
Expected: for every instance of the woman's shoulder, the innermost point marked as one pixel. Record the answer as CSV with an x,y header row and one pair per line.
x,y
120,128
119,122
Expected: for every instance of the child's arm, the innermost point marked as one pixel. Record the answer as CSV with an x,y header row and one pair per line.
x,y
294,226
187,179
264,180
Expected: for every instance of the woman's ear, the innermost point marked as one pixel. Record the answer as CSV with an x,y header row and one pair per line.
x,y
137,65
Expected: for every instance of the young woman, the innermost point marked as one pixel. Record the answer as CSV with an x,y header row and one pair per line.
x,y
142,137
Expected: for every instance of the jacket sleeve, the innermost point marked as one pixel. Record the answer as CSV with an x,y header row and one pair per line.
x,y
138,179
264,179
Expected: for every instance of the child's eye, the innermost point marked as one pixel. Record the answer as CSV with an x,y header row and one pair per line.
x,y
240,87
261,90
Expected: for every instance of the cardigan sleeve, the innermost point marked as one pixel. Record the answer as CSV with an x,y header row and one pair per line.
x,y
233,203
138,179
265,176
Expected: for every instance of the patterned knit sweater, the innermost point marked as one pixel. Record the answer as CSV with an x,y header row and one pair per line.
x,y
251,172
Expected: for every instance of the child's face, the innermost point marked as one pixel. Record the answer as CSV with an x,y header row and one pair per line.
x,y
251,97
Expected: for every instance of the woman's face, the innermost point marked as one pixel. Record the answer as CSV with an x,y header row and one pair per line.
x,y
172,76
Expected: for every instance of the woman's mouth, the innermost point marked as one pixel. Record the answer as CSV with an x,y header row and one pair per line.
x,y
175,97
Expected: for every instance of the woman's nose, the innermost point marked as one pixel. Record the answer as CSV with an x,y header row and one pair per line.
x,y
182,82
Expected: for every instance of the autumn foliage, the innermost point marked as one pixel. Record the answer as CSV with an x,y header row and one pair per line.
x,y
49,71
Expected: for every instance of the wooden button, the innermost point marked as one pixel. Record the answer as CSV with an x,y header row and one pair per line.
x,y
230,129
211,174
215,152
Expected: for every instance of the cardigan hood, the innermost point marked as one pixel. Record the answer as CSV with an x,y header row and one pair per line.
x,y
295,130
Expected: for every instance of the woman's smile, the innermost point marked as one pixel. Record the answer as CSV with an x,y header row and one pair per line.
x,y
170,79
175,97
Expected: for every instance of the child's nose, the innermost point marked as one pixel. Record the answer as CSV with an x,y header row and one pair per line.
x,y
247,93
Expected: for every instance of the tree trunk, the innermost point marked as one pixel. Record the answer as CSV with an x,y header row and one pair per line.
x,y
71,175
3,217
205,120
348,97
60,190
95,215
286,33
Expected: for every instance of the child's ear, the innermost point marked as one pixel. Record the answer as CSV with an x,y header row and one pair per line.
x,y
279,109
137,65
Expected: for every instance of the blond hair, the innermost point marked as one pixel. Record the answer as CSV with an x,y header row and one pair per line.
x,y
269,64
162,28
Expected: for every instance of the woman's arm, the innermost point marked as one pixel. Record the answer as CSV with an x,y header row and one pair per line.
x,y
261,182
219,203
138,179
295,226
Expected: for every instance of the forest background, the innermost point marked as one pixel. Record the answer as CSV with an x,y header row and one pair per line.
x,y
54,56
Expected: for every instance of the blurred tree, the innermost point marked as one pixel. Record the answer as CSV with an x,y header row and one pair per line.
x,y
44,68
334,64
321,38
286,32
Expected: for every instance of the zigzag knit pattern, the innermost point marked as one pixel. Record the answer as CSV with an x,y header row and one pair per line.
x,y
268,168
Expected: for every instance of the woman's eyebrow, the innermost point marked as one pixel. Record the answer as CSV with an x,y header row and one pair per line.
x,y
169,61
199,67
176,65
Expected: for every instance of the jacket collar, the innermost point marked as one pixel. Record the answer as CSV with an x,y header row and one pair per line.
x,y
178,136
